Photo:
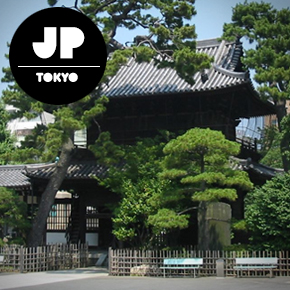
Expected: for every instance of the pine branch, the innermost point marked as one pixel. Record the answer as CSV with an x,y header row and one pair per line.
x,y
186,210
99,9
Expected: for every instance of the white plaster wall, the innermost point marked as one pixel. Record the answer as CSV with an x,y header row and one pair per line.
x,y
54,238
92,239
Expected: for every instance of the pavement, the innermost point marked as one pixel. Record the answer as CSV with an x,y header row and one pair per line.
x,y
92,278
20,280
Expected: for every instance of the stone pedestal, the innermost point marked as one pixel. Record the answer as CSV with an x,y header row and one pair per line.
x,y
214,228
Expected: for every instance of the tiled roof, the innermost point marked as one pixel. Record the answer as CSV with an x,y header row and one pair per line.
x,y
18,176
83,166
146,79
12,176
256,168
84,170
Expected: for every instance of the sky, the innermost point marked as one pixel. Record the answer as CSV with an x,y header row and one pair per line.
x,y
211,15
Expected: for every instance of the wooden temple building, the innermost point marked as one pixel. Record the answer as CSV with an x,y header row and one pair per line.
x,y
144,100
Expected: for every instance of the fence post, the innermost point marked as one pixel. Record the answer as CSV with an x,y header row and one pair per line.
x,y
21,259
220,268
110,260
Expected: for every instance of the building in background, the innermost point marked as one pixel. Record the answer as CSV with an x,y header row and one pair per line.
x,y
272,119
143,101
22,127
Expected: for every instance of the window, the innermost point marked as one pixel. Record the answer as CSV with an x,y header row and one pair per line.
x,y
92,222
58,218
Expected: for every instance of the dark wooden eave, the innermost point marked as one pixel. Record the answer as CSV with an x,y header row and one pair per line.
x,y
136,82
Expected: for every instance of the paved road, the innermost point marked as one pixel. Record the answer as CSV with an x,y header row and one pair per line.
x,y
98,279
17,281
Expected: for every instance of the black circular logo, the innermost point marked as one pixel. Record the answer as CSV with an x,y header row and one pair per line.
x,y
58,56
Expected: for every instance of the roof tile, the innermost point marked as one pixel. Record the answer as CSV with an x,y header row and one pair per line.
x,y
136,79
12,176
84,170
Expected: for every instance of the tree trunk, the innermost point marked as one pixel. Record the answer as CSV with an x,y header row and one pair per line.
x,y
47,198
284,144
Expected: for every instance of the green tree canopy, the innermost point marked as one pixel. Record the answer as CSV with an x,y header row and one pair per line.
x,y
135,180
169,40
199,161
6,140
13,213
270,147
162,179
268,29
268,214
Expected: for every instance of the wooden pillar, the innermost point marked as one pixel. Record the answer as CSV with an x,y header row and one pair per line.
x,y
83,225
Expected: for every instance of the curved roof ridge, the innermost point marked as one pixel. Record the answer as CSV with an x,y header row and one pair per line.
x,y
230,54
239,75
37,166
12,166
207,42
139,79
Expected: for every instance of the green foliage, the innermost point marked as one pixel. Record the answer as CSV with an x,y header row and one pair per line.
x,y
106,151
271,143
6,140
270,147
133,174
167,33
161,179
140,200
168,37
143,54
239,225
188,61
268,29
239,248
12,213
167,219
52,2
21,156
199,161
268,214
32,146
285,137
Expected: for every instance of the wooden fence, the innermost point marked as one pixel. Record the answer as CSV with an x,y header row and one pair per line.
x,y
46,258
121,262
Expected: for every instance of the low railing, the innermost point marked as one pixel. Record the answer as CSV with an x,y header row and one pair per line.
x,y
46,258
250,145
124,262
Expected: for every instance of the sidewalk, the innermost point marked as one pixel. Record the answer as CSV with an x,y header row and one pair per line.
x,y
16,280
92,278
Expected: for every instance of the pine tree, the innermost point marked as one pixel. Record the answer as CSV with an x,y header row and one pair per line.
x,y
6,140
268,29
167,36
199,161
162,181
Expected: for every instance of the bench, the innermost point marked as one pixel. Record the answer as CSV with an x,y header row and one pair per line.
x,y
183,264
255,264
